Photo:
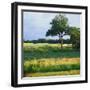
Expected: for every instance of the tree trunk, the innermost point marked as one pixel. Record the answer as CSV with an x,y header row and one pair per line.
x,y
61,43
61,40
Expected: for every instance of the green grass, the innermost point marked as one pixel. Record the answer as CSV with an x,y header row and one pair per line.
x,y
39,51
54,68
47,58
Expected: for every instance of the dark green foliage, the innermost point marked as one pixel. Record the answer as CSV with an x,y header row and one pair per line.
x,y
75,37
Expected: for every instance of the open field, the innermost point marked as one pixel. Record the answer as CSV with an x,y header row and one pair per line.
x,y
45,59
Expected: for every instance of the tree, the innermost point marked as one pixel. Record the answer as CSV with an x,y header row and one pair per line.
x,y
59,27
75,37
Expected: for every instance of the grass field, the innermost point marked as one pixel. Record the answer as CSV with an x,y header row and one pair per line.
x,y
45,59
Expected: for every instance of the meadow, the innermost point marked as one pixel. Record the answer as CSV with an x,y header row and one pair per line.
x,y
43,59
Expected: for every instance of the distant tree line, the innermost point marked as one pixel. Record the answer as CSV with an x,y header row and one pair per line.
x,y
52,41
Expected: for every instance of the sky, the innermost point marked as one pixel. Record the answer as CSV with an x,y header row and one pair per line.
x,y
36,24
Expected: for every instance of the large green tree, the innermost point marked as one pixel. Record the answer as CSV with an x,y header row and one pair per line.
x,y
59,26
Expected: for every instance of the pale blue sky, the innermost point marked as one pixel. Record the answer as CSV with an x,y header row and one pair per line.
x,y
36,24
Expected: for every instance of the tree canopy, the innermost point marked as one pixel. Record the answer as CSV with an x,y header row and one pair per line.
x,y
59,26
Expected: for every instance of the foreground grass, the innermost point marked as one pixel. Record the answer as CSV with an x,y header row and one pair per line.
x,y
48,60
60,73
46,66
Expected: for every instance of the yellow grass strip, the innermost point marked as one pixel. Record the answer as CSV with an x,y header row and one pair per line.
x,y
52,61
60,73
